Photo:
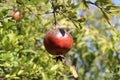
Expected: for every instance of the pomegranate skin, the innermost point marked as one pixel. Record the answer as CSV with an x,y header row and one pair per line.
x,y
58,42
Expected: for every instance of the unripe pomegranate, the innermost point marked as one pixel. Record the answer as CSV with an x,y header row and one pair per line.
x,y
58,42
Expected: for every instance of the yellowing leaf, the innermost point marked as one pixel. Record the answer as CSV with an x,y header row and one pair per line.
x,y
54,67
20,72
73,71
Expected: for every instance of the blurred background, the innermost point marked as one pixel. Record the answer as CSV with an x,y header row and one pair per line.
x,y
94,25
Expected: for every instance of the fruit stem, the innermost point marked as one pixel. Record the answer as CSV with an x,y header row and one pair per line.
x,y
55,21
54,13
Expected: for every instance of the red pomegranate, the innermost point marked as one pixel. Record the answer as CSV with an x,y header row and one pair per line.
x,y
58,42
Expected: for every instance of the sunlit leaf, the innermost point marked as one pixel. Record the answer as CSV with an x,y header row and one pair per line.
x,y
73,71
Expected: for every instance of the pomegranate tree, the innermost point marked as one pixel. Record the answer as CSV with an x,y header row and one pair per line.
x,y
58,42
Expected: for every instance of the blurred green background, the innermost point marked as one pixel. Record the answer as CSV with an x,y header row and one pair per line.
x,y
94,25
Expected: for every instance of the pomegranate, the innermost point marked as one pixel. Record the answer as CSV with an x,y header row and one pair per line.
x,y
58,42
12,13
17,16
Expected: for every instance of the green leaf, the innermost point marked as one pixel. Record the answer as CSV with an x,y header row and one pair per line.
x,y
20,72
106,16
73,71
76,25
29,51
55,67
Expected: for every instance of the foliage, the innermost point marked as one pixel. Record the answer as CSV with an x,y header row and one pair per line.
x,y
95,29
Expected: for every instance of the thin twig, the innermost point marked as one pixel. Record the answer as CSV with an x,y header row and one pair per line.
x,y
54,13
55,21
